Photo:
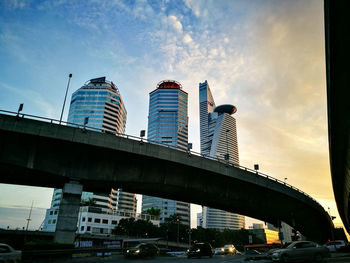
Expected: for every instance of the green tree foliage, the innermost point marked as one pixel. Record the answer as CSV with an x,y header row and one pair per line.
x,y
168,230
89,202
153,212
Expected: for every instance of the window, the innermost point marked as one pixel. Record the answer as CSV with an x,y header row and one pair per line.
x,y
114,222
82,228
51,212
89,219
55,212
104,221
83,219
49,222
54,221
97,220
88,228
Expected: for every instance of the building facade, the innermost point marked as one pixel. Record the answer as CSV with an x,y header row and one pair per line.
x,y
97,104
286,230
96,221
168,124
218,137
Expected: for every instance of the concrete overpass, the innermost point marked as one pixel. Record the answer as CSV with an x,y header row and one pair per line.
x,y
45,154
337,24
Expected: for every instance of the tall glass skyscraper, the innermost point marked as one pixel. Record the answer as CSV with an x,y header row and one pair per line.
x,y
99,100
168,124
218,136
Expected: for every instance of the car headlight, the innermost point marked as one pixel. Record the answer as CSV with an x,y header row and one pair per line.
x,y
188,250
137,251
222,249
198,250
230,249
128,251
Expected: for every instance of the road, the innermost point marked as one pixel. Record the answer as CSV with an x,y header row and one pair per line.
x,y
344,258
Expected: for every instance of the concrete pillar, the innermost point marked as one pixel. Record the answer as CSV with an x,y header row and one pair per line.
x,y
68,213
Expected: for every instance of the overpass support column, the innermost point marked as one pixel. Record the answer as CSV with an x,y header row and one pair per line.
x,y
68,213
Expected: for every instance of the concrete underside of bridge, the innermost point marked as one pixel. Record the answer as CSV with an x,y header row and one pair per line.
x,y
48,155
337,25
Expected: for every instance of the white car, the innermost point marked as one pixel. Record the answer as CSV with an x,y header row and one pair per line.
x,y
229,249
8,254
301,251
333,246
219,251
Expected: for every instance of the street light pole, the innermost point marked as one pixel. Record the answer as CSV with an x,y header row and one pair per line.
x,y
65,97
178,226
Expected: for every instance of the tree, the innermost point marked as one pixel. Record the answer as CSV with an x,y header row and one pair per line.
x,y
153,212
88,202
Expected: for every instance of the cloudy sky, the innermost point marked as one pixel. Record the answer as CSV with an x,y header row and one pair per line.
x,y
265,57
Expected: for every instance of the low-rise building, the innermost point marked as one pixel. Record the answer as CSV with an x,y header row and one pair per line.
x,y
93,220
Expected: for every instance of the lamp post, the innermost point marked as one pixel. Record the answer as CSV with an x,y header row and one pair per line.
x,y
178,229
285,179
20,108
65,97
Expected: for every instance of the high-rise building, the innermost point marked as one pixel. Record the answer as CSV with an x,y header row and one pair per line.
x,y
99,103
218,137
168,124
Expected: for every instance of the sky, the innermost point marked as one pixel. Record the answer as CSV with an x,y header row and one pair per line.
x,y
265,57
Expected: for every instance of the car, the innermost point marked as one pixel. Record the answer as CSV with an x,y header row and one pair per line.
x,y
8,254
334,246
199,250
143,250
219,251
229,249
301,251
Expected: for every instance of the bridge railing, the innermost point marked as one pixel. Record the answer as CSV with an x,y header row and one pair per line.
x,y
143,140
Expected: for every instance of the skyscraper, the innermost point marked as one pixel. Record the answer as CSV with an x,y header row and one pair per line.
x,y
218,137
99,102
168,124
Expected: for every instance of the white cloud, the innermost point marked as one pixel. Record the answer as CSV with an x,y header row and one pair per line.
x,y
175,23
187,39
15,4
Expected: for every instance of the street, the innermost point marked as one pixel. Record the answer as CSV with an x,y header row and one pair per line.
x,y
336,258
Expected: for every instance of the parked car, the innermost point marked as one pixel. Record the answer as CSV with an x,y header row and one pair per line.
x,y
8,254
229,249
301,251
334,246
143,250
199,250
219,251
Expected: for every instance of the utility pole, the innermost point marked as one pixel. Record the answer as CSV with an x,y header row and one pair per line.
x,y
65,97
30,214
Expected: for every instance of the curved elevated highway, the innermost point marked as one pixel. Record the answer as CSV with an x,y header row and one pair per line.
x,y
337,25
44,154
